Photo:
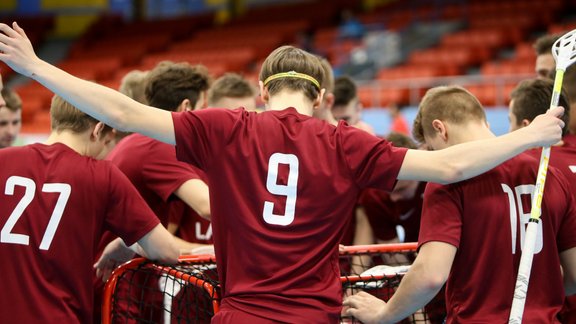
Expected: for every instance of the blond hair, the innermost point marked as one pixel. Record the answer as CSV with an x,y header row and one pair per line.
x,y
133,85
452,104
64,116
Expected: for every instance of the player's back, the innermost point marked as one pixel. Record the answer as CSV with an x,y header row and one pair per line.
x,y
55,204
282,186
494,209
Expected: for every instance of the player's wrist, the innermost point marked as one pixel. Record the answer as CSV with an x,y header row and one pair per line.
x,y
383,315
527,137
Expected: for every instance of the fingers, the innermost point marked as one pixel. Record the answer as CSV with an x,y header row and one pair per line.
x,y
353,312
19,29
8,31
106,274
556,111
350,301
5,41
355,300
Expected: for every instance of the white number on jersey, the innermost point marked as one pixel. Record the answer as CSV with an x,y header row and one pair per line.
x,y
517,212
289,190
6,235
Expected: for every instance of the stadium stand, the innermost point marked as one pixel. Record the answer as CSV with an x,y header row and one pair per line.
x,y
491,45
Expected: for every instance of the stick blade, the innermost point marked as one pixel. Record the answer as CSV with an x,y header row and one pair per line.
x,y
564,50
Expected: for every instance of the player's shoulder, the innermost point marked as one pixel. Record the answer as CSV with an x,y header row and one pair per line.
x,y
10,151
104,172
520,163
214,118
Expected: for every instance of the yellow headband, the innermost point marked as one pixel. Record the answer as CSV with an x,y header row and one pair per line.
x,y
292,74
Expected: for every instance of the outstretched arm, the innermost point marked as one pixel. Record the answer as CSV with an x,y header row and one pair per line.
x,y
425,278
467,160
102,103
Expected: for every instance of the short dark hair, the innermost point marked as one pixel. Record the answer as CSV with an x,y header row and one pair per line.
x,y
168,84
543,45
568,82
532,98
344,91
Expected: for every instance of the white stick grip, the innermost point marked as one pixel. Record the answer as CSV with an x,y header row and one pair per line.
x,y
521,290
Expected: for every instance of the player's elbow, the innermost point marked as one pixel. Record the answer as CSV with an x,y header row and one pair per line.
x,y
205,212
431,278
435,282
451,173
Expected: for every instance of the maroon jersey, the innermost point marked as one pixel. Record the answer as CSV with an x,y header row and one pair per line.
x,y
55,206
563,158
153,169
192,227
384,214
283,187
485,218
569,140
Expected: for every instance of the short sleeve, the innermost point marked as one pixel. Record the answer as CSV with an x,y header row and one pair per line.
x,y
374,162
163,173
201,134
127,215
441,215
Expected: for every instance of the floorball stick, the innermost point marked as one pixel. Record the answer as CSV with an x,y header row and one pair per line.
x,y
564,52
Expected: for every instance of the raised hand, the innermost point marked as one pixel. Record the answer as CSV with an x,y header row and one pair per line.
x,y
548,127
16,50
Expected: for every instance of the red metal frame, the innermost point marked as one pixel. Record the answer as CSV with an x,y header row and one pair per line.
x,y
135,263
132,264
397,247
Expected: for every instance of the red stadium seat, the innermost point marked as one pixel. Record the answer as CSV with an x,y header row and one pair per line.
x,y
36,91
93,68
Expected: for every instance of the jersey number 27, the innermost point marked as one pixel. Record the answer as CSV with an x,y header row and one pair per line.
x,y
6,234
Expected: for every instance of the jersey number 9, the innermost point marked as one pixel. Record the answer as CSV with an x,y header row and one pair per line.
x,y
289,190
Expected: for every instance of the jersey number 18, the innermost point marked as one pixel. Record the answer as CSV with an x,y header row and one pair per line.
x,y
517,212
